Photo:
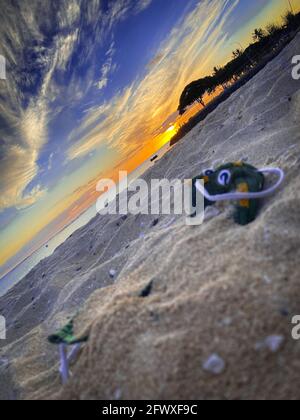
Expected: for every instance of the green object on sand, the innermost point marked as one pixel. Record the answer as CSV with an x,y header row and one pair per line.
x,y
64,339
66,336
238,177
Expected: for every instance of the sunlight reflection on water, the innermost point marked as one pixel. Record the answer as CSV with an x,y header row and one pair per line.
x,y
13,277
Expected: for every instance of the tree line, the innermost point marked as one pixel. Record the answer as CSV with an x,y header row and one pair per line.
x,y
264,41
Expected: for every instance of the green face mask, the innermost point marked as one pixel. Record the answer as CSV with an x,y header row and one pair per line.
x,y
236,177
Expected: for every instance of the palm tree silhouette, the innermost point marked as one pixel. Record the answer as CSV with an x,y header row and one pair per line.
x,y
237,53
258,34
290,3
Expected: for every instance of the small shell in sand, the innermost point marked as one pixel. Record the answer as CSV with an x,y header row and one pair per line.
x,y
272,343
214,364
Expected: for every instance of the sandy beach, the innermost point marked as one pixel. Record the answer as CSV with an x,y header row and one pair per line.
x,y
217,290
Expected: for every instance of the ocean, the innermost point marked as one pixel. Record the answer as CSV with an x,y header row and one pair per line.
x,y
12,278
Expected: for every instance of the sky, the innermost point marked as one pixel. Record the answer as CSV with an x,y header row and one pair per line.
x,y
92,88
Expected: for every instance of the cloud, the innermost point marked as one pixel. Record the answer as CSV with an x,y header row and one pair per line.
x,y
29,199
38,40
26,117
18,165
142,5
50,161
129,120
68,13
156,60
107,68
25,130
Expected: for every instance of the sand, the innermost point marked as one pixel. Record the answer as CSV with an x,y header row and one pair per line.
x,y
220,292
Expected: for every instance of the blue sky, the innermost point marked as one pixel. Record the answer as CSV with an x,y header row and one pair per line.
x,y
89,82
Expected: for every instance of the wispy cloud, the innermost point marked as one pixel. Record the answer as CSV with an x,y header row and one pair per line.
x,y
52,115
26,116
142,5
29,199
132,116
26,120
38,39
107,68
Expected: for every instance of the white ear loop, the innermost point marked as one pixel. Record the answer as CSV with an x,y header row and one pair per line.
x,y
66,359
233,196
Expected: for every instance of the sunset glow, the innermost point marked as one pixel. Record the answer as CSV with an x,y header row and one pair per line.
x,y
77,107
171,129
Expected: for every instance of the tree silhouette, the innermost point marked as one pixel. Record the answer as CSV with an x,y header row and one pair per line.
x,y
273,30
243,61
192,93
258,35
237,53
291,20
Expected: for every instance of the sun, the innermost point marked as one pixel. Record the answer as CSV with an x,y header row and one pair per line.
x,y
167,135
172,128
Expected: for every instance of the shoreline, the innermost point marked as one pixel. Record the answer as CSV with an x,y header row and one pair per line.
x,y
160,153
214,104
203,301
194,121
